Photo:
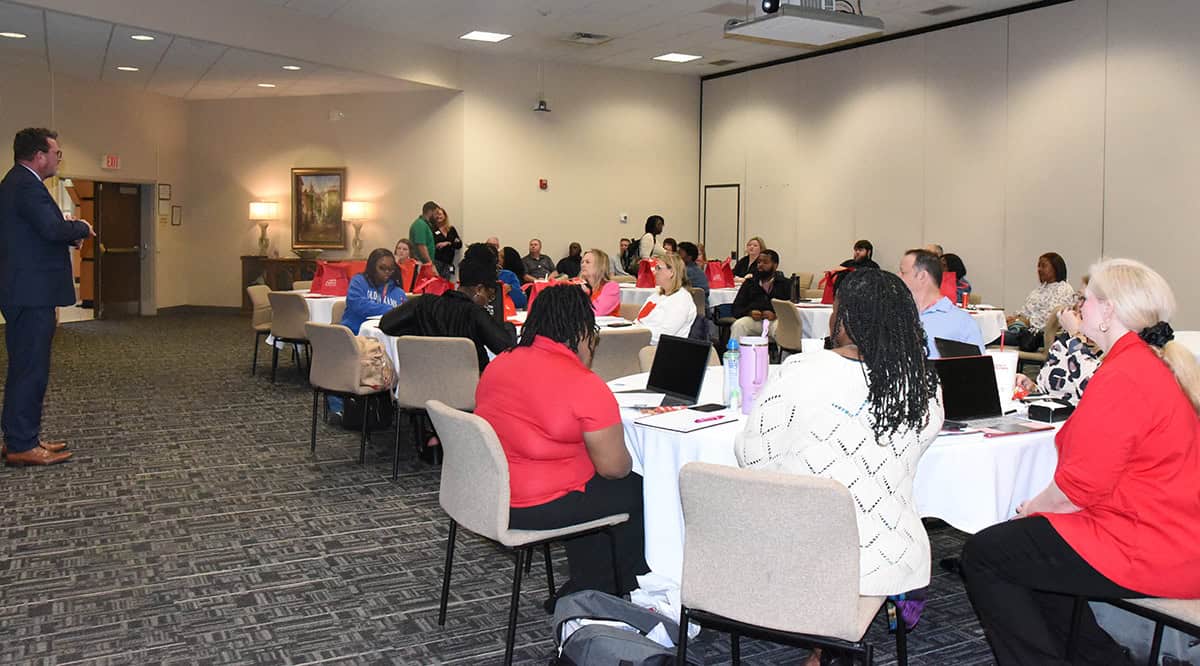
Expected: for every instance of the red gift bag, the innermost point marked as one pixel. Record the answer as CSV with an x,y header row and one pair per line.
x,y
950,286
533,289
645,273
330,279
433,286
829,283
719,274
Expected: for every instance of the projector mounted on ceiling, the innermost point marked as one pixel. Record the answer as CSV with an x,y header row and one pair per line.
x,y
806,23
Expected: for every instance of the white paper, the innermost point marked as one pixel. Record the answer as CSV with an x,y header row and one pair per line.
x,y
639,400
689,420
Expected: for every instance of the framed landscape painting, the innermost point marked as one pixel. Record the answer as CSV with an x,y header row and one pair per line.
x,y
317,196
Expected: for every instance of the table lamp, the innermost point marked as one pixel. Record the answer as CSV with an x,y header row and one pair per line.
x,y
356,212
263,212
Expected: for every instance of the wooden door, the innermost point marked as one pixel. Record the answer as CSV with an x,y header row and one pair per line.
x,y
119,241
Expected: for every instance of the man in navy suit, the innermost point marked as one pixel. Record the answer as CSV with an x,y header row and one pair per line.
x,y
35,277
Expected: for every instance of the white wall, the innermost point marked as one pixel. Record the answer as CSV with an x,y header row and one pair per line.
x,y
1061,129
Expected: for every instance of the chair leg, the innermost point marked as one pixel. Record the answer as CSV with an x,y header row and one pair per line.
x,y
735,648
1156,644
549,573
511,635
681,641
274,360
901,637
446,572
362,442
869,655
254,362
616,571
396,452
313,438
528,564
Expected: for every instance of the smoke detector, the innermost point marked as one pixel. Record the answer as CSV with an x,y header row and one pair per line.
x,y
587,38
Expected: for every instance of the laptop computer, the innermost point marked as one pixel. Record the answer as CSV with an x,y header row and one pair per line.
x,y
954,348
970,395
678,370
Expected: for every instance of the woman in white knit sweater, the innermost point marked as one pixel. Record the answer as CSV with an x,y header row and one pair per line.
x,y
861,414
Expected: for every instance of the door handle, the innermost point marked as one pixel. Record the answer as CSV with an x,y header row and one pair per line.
x,y
119,250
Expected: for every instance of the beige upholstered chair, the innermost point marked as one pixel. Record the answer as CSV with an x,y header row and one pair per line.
x,y
700,301
475,494
433,368
805,280
790,329
339,309
1182,615
617,352
335,370
624,279
305,285
1048,334
630,310
260,317
289,315
974,299
646,357
795,541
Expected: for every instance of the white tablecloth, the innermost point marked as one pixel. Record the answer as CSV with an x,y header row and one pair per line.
x,y
320,308
815,321
969,481
638,295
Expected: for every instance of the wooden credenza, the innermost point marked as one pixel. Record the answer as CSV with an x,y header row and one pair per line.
x,y
276,273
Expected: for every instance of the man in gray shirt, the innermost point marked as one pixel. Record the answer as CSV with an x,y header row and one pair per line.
x,y
537,265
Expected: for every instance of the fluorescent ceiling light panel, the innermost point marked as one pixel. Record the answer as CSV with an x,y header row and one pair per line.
x,y
125,68
484,36
14,35
677,57
805,26
266,85
293,68
142,38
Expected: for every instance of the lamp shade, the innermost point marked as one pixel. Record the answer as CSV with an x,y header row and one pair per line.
x,y
264,210
353,211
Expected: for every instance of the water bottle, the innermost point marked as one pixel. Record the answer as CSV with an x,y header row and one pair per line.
x,y
733,389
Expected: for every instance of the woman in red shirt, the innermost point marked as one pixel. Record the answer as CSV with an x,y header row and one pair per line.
x,y
561,431
1121,518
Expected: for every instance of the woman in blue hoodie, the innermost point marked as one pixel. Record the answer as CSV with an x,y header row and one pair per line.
x,y
374,292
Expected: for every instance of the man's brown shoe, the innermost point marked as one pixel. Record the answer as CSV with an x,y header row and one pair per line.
x,y
36,456
53,447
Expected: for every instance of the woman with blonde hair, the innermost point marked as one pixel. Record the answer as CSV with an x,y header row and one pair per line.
x,y
1119,520
605,294
746,265
670,310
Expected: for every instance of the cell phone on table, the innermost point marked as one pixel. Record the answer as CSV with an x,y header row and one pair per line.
x,y
710,407
619,324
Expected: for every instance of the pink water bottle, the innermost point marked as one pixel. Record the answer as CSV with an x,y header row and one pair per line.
x,y
752,369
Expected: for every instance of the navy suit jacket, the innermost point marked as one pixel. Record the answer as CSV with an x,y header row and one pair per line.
x,y
35,262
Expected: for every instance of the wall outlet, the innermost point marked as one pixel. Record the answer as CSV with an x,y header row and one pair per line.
x,y
624,218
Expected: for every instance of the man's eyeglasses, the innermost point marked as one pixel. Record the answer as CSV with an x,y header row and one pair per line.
x,y
57,153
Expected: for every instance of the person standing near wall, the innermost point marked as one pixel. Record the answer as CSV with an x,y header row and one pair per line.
x,y
35,277
421,233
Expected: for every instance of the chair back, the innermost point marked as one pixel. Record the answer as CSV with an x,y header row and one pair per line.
x,y
789,329
617,352
290,313
646,357
700,301
629,311
624,279
261,304
805,280
302,285
794,543
474,489
339,309
974,299
435,368
335,365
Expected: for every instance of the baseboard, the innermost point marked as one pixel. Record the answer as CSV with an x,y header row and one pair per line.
x,y
201,309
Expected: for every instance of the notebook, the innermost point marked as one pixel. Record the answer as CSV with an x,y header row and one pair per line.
x,y
678,372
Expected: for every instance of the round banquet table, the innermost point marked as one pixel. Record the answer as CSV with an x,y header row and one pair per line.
x,y
320,308
969,481
638,295
814,319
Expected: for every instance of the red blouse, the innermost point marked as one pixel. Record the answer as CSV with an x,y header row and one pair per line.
x,y
1129,457
540,400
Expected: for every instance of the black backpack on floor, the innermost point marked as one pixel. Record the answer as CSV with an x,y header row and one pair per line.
x,y
613,631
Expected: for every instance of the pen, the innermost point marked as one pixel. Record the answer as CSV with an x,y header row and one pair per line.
x,y
706,419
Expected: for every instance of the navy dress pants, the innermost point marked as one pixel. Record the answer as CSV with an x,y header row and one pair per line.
x,y
28,332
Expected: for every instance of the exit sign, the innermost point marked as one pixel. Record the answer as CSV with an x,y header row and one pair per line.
x,y
111,161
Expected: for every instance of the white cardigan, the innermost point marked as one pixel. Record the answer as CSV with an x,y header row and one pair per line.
x,y
815,419
672,315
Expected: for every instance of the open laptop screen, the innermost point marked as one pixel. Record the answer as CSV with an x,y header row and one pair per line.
x,y
968,387
679,366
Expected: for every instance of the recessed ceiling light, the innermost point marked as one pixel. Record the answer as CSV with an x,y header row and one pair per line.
x,y
677,57
293,68
483,36
124,68
14,35
142,38
266,85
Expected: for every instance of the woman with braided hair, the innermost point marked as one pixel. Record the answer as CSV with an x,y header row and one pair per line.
x,y
567,461
861,414
1121,519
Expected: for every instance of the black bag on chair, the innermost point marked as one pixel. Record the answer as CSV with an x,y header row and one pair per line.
x,y
379,412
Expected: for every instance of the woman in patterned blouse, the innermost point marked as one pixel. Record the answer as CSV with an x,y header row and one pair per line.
x,y
1052,294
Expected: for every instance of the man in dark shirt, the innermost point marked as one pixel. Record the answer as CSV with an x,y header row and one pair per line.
x,y
752,305
537,265
863,256
571,264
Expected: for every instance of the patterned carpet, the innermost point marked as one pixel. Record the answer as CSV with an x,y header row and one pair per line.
x,y
193,526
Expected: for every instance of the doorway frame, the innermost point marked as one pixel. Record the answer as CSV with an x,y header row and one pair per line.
x,y
704,214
